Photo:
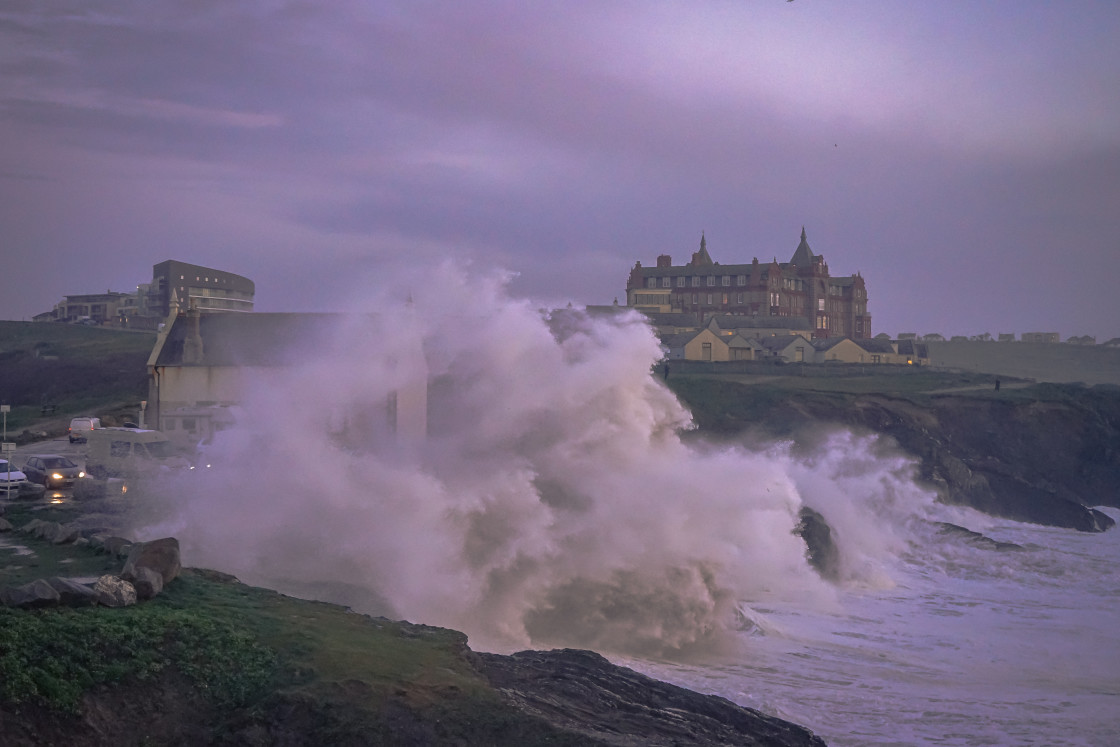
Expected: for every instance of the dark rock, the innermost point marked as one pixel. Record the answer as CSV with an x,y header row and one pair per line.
x,y
72,593
147,582
34,595
5,525
975,538
582,693
161,555
823,554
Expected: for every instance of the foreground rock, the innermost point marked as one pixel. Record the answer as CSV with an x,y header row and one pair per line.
x,y
582,693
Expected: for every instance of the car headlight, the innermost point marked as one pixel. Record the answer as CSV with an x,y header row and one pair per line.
x,y
81,474
56,476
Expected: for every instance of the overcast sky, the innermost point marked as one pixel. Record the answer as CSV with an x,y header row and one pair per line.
x,y
963,156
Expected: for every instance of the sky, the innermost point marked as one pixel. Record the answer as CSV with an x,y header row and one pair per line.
x,y
964,157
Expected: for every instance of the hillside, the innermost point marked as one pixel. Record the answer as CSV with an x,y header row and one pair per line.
x,y
75,369
1043,453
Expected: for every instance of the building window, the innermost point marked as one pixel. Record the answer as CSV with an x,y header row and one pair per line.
x,y
651,282
695,300
711,280
706,351
680,281
820,304
711,300
666,282
739,299
695,281
724,299
726,280
799,354
742,280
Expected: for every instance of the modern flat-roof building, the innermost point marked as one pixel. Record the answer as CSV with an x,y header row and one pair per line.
x,y
802,287
181,285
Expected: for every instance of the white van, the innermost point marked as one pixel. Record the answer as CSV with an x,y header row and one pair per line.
x,y
130,452
81,427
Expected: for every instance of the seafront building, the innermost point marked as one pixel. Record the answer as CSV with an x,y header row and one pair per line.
x,y
801,291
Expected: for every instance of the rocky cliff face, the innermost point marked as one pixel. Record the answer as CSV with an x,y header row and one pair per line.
x,y
1044,454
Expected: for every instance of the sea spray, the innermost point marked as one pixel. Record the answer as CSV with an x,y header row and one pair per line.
x,y
553,501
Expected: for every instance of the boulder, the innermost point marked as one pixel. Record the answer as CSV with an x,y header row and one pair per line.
x,y
116,546
147,581
5,525
34,595
65,534
71,593
114,591
31,526
161,555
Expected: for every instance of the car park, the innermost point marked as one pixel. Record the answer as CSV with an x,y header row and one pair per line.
x,y
12,480
80,428
52,470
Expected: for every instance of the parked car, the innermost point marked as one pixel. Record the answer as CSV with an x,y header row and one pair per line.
x,y
52,470
80,428
12,480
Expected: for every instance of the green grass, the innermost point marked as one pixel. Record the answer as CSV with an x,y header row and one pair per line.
x,y
80,370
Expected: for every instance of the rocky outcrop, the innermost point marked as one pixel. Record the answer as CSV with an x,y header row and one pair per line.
x,y
581,693
1045,454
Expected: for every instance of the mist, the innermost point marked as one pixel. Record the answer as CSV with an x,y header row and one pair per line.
x,y
553,501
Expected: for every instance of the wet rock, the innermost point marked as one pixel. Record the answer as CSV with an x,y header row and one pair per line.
x,y
975,538
5,525
823,554
582,693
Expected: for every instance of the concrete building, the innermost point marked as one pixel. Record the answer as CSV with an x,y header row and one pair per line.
x,y
175,286
801,288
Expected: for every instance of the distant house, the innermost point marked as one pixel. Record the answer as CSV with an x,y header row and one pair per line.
x,y
744,348
1040,337
706,345
205,365
880,351
790,348
841,350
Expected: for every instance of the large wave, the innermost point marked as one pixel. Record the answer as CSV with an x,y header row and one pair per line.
x,y
554,501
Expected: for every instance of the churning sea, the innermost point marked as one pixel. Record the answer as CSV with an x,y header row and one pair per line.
x,y
971,645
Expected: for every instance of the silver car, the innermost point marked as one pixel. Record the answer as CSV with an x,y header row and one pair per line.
x,y
52,470
12,480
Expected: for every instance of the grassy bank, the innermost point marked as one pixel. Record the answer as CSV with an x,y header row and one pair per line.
x,y
75,369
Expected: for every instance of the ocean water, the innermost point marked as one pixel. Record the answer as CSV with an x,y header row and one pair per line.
x,y
559,500
971,645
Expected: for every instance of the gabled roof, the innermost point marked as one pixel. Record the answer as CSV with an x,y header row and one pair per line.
x,y
876,345
738,341
256,339
780,342
828,343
